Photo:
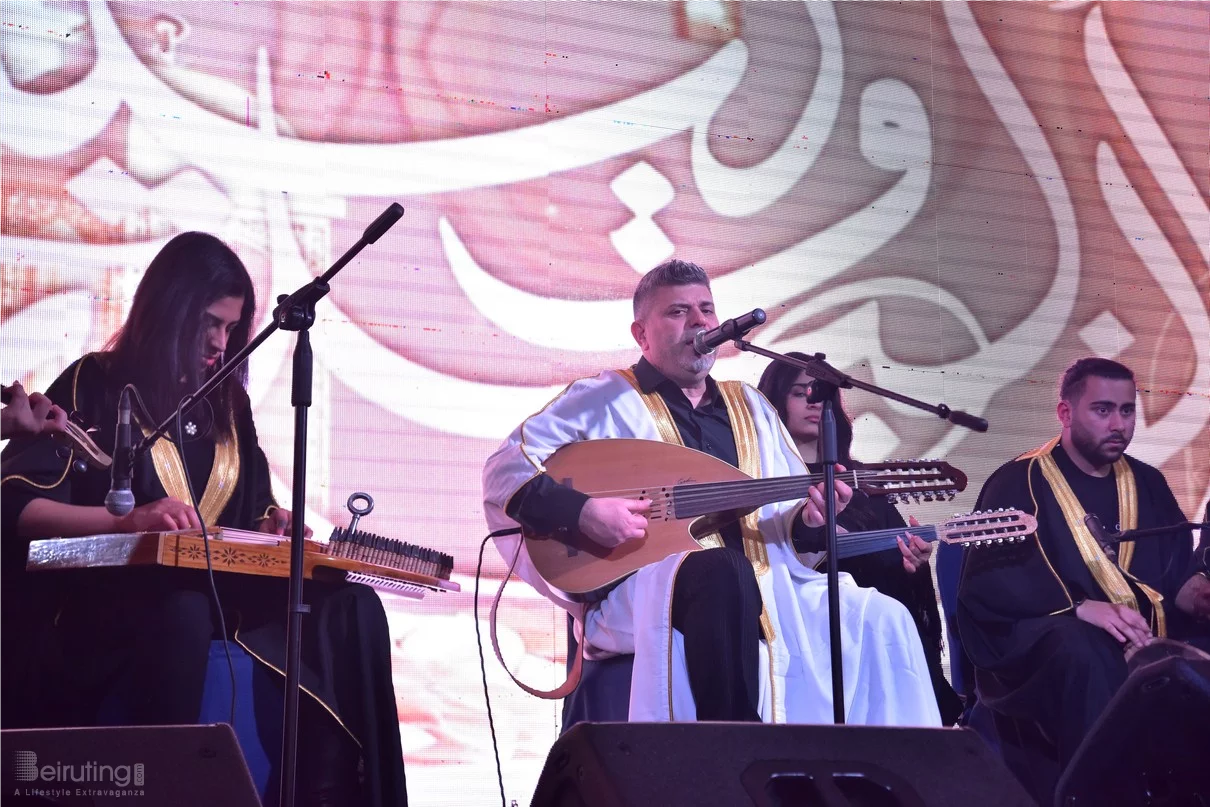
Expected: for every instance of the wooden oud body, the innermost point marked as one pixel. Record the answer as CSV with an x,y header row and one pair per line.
x,y
632,469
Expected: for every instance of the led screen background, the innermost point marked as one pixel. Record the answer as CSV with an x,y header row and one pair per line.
x,y
951,200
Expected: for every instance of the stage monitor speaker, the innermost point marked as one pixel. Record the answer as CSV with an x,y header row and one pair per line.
x,y
1151,746
745,764
149,766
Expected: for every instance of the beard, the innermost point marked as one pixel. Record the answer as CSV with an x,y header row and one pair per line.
x,y
699,364
1095,451
694,364
680,363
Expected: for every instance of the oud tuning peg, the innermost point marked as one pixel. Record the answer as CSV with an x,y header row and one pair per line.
x,y
79,466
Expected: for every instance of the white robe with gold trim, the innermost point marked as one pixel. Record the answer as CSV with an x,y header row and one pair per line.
x,y
886,679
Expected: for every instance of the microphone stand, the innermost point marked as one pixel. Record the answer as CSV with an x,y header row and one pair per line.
x,y
1131,535
827,381
1107,540
295,312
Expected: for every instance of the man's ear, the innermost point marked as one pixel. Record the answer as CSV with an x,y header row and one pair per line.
x,y
1063,412
639,333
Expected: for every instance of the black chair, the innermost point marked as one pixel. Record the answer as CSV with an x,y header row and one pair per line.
x,y
1031,756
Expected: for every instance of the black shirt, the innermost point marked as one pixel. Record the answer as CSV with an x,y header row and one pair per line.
x,y
1097,494
546,506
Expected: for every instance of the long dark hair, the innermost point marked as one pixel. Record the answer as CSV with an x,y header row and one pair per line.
x,y
160,347
775,383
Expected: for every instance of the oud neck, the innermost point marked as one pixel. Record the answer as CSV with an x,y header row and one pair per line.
x,y
692,500
865,543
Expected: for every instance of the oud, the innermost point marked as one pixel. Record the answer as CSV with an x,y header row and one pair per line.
x,y
692,495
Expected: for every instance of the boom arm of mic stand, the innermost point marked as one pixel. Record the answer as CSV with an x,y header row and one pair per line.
x,y
820,369
1129,535
283,315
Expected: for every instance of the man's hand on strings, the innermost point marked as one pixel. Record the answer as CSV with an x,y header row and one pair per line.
x,y
1121,622
813,508
161,515
915,550
611,522
280,522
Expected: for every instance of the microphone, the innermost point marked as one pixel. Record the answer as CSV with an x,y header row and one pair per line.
x,y
120,500
1097,530
706,341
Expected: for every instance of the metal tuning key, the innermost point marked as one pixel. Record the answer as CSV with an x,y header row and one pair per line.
x,y
359,511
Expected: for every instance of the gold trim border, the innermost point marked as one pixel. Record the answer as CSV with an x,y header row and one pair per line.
x,y
220,486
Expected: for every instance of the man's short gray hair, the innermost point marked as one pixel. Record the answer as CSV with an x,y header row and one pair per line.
x,y
672,272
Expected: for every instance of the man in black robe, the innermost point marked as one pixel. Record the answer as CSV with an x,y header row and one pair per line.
x,y
130,646
1049,624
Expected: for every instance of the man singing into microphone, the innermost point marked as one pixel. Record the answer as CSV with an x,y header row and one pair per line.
x,y
134,642
738,631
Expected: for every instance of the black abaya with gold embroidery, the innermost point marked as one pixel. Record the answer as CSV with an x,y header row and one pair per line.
x,y
1033,658
129,646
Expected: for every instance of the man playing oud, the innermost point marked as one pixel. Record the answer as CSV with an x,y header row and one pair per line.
x,y
738,631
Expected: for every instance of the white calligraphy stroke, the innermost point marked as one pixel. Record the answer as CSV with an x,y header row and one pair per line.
x,y
240,156
1157,442
894,135
1018,351
967,384
1145,132
738,192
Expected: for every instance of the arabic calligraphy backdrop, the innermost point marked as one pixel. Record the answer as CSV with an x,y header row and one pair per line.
x,y
952,201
